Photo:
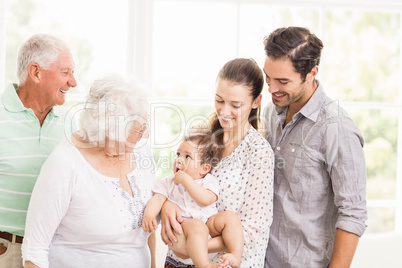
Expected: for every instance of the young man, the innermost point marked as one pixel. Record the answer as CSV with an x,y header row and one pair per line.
x,y
320,172
31,127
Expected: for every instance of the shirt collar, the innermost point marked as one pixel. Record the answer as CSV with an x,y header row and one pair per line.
x,y
13,103
55,111
312,108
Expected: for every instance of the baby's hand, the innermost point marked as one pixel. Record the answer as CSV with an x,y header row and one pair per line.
x,y
149,224
179,177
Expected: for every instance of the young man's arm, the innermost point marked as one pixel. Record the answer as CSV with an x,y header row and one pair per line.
x,y
347,168
345,245
202,196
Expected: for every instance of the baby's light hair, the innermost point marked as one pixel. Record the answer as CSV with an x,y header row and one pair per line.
x,y
209,151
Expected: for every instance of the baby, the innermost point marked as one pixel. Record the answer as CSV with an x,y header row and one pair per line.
x,y
195,191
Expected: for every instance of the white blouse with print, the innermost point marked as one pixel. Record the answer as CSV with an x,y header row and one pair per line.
x,y
78,217
246,179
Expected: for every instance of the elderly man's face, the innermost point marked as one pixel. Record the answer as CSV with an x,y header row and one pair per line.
x,y
58,79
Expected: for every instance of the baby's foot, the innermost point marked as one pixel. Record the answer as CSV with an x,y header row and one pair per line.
x,y
230,259
214,265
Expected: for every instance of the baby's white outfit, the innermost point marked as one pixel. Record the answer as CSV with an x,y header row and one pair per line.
x,y
178,195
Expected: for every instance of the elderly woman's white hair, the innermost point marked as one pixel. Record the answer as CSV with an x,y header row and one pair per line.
x,y
42,49
112,105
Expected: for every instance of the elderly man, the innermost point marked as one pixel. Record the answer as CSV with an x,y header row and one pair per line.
x,y
32,124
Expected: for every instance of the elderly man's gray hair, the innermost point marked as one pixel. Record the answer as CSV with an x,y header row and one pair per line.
x,y
42,49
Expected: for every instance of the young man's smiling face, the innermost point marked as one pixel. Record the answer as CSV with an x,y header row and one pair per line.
x,y
286,86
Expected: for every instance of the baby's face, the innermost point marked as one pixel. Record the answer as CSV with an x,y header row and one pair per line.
x,y
188,160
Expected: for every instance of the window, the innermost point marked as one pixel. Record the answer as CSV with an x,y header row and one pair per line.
x,y
177,48
360,68
98,43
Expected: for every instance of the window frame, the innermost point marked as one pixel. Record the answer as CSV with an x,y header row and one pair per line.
x,y
2,43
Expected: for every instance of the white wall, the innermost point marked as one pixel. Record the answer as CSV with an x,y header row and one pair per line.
x,y
378,251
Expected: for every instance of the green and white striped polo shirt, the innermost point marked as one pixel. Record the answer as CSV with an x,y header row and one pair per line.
x,y
24,146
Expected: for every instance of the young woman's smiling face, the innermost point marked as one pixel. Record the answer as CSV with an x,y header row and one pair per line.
x,y
233,104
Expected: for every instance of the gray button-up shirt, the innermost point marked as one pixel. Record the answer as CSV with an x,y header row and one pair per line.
x,y
319,182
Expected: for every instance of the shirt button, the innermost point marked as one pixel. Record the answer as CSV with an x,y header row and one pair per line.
x,y
278,148
293,150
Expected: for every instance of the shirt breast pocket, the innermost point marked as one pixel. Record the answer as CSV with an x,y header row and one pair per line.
x,y
306,155
309,168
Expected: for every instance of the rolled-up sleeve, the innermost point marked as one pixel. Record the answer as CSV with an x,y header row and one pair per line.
x,y
347,168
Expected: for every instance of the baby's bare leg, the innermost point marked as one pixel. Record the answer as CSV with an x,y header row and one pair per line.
x,y
197,242
228,224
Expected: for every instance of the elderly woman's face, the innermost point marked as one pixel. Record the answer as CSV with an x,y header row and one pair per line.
x,y
138,130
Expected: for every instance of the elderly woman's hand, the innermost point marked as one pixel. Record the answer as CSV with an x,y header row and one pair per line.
x,y
29,264
170,221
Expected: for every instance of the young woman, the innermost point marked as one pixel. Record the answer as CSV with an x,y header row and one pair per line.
x,y
245,173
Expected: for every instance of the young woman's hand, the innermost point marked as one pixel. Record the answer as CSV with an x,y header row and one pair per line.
x,y
170,221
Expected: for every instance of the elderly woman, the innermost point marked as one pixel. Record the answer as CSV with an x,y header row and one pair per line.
x,y
87,205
